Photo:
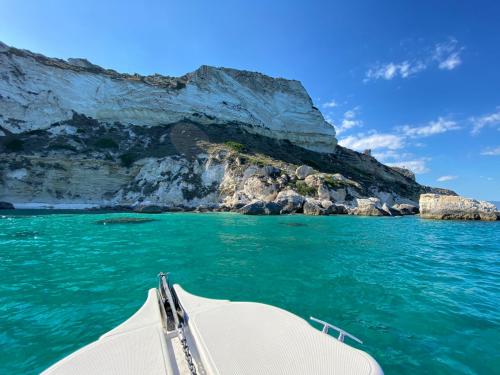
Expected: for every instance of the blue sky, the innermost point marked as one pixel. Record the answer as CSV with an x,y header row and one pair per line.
x,y
418,82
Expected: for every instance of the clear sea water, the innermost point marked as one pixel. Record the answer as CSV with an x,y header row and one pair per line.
x,y
423,295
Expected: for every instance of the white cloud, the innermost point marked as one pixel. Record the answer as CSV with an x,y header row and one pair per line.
x,y
491,151
374,141
439,126
490,119
445,55
331,104
447,178
349,121
416,166
393,70
390,155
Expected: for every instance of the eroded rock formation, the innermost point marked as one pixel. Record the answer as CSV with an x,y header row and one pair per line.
x,y
436,206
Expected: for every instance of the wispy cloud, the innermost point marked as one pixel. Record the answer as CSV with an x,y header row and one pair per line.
x,y
447,178
439,126
349,121
389,147
417,166
446,56
488,120
330,104
392,70
361,141
491,151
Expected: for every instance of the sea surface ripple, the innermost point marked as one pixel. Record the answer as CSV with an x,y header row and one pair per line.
x,y
424,296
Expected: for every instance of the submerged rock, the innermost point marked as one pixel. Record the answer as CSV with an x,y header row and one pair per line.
x,y
294,224
449,207
125,220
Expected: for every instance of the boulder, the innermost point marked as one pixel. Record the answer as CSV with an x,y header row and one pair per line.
x,y
261,208
369,207
312,207
338,195
326,203
340,209
303,171
405,209
443,207
391,211
255,188
269,171
314,180
6,206
323,192
290,201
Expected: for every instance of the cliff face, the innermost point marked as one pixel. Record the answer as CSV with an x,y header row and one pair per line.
x,y
73,134
38,92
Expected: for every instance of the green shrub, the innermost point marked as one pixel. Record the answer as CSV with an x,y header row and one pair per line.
x,y
105,143
14,144
331,183
235,146
304,189
128,159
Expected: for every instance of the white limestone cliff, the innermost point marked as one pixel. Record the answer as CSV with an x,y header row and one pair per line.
x,y
36,92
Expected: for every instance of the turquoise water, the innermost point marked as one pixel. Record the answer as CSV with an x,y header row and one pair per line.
x,y
423,295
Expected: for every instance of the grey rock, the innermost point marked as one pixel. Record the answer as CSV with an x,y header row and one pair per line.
x,y
405,209
290,201
6,206
405,172
269,171
149,209
369,207
303,171
391,211
261,208
340,209
313,208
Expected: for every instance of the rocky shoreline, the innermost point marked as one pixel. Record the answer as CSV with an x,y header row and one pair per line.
x,y
433,206
74,135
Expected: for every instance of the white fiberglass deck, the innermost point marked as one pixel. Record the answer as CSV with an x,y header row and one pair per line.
x,y
226,338
137,346
240,338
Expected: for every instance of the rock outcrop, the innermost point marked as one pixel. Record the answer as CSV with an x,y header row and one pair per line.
x,y
369,207
435,206
6,206
75,135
